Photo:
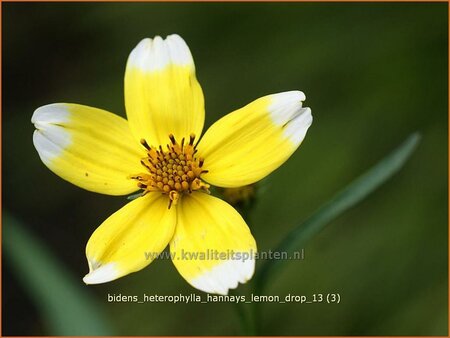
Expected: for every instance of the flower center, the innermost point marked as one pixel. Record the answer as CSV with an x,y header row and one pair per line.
x,y
173,171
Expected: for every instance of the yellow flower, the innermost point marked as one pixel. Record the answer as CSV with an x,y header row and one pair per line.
x,y
158,151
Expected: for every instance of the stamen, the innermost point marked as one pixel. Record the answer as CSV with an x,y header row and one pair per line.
x,y
145,144
172,139
191,139
173,196
175,171
145,165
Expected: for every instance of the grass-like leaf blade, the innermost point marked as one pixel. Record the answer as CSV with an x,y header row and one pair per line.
x,y
65,303
354,193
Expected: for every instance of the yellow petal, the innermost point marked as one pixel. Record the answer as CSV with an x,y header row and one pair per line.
x,y
130,239
212,247
162,95
89,147
248,144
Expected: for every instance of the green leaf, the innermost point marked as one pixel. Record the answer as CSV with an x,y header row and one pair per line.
x,y
354,193
65,303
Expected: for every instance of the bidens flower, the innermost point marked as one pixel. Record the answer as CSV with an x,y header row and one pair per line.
x,y
158,151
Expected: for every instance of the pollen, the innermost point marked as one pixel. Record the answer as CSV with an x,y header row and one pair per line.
x,y
173,171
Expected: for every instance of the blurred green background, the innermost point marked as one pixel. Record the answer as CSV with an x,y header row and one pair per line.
x,y
372,74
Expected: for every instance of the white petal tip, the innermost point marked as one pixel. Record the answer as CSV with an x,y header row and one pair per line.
x,y
155,54
102,274
296,128
55,113
286,111
285,105
50,138
225,276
